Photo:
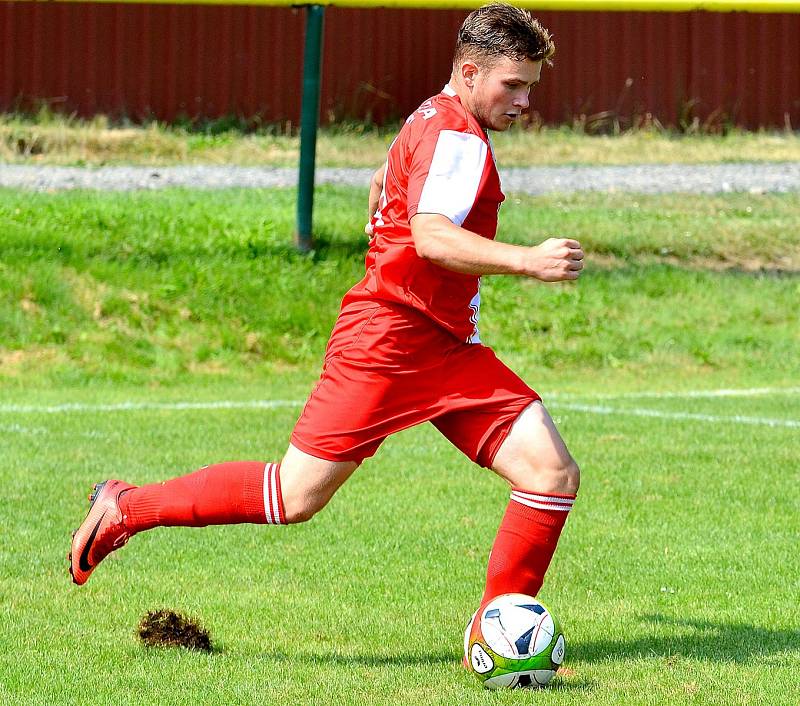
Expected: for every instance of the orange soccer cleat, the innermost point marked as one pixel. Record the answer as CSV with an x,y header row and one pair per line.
x,y
101,532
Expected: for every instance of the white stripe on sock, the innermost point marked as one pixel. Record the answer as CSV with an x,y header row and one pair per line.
x,y
537,497
273,493
522,500
267,506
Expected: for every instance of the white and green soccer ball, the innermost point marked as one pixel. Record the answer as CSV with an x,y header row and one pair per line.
x,y
515,641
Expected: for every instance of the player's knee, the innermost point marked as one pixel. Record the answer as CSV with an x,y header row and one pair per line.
x,y
570,476
301,509
562,477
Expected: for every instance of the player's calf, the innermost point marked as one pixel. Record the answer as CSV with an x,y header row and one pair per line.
x,y
222,494
544,481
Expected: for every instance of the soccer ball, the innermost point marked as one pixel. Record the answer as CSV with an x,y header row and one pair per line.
x,y
515,641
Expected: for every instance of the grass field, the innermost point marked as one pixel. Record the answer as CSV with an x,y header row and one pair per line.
x,y
672,369
165,286
676,579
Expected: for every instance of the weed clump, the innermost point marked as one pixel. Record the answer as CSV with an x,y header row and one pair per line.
x,y
166,628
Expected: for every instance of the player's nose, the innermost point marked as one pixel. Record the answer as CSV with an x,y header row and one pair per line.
x,y
521,101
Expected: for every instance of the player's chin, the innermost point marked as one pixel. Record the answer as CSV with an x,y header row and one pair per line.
x,y
504,121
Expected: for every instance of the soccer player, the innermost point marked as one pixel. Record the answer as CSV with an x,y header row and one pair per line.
x,y
406,347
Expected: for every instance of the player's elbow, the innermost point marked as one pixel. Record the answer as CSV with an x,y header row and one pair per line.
x,y
427,241
377,179
425,247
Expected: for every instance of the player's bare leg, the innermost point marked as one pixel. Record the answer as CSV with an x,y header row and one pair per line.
x,y
544,480
308,483
535,457
226,493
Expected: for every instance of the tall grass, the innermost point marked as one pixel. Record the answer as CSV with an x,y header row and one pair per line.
x,y
49,138
176,284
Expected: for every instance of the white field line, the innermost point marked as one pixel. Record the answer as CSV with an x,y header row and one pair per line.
x,y
136,406
557,403
43,431
17,429
658,414
688,394
272,404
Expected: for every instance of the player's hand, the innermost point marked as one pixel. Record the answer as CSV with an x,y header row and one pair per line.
x,y
368,228
555,260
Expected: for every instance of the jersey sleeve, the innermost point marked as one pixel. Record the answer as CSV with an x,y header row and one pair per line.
x,y
445,174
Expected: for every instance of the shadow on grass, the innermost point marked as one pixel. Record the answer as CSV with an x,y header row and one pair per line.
x,y
365,660
563,682
701,639
336,248
323,249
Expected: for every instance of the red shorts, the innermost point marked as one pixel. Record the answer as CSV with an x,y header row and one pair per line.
x,y
389,367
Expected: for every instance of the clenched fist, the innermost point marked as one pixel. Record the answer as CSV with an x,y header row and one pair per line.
x,y
555,260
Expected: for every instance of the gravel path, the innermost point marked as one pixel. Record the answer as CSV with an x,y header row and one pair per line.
x,y
660,178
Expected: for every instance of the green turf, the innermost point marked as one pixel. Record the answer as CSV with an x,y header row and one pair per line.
x,y
676,579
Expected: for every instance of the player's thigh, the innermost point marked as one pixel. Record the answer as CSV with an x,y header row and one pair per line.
x,y
534,456
308,482
482,397
384,381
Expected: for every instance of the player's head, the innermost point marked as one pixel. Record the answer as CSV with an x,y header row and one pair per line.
x,y
498,31
499,54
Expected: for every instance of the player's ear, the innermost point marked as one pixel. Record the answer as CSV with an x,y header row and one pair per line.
x,y
468,70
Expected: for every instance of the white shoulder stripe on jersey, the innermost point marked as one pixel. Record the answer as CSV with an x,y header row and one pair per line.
x,y
454,176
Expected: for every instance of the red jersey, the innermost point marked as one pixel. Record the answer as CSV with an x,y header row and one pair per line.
x,y
440,162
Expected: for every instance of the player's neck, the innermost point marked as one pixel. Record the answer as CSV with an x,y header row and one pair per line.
x,y
464,94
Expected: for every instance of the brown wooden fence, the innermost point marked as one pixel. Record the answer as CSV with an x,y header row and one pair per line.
x,y
169,61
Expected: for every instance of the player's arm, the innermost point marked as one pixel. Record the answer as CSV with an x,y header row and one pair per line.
x,y
375,188
438,239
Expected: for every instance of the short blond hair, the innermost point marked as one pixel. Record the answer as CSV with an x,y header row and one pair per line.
x,y
500,30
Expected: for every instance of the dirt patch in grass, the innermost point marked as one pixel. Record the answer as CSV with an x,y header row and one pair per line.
x,y
166,628
16,363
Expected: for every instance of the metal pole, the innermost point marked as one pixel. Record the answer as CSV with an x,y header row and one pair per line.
x,y
309,121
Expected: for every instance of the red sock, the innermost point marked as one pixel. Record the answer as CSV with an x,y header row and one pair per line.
x,y
525,543
223,494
